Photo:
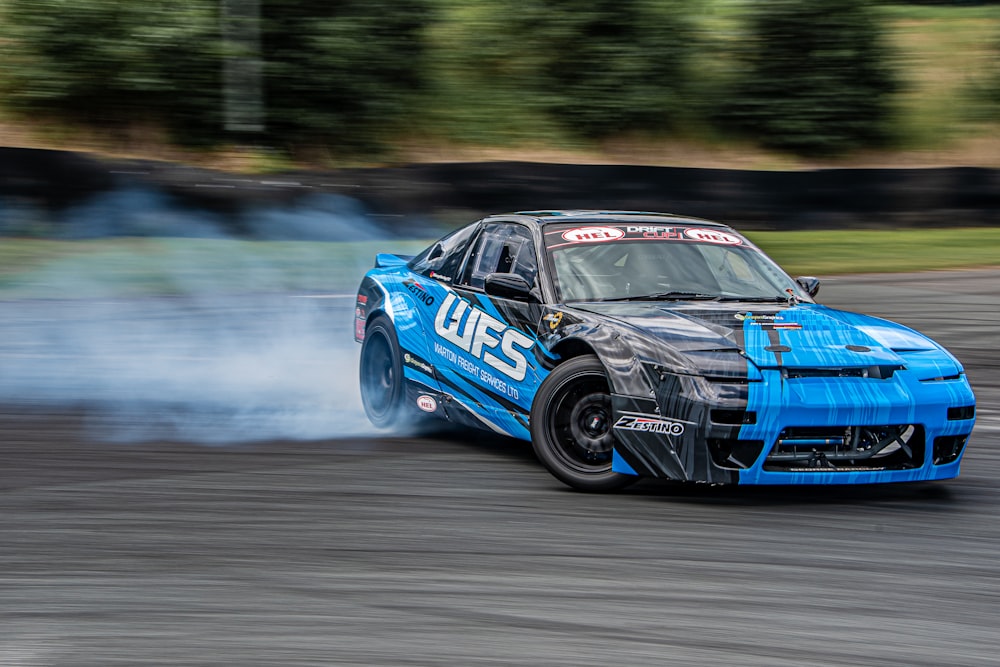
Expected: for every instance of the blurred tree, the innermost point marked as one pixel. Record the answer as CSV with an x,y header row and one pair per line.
x,y
815,77
341,71
114,62
599,67
335,71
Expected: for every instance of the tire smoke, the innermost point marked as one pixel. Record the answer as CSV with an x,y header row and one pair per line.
x,y
247,341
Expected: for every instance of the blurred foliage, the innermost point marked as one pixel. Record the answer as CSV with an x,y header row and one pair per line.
x,y
815,77
600,67
332,71
346,76
339,71
113,62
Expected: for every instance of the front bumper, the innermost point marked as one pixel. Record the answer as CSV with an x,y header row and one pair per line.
x,y
780,430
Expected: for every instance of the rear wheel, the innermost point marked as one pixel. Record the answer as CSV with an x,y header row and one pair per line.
x,y
571,426
381,374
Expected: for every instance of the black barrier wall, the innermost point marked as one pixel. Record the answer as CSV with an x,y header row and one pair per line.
x,y
40,192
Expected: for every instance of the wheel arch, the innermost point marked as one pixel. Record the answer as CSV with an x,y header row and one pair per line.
x,y
621,365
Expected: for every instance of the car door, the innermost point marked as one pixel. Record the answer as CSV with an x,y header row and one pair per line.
x,y
489,343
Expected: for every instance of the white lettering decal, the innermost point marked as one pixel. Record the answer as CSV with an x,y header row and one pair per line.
x,y
447,325
483,337
649,425
472,330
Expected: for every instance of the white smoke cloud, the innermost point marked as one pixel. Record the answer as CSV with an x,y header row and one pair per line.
x,y
264,362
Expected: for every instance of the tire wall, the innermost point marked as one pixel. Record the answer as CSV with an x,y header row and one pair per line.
x,y
73,195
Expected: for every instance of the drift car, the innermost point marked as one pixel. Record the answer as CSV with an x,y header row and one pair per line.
x,y
627,345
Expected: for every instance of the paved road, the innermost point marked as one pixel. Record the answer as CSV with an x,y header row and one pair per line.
x,y
460,550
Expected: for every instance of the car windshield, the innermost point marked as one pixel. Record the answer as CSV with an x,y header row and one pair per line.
x,y
626,262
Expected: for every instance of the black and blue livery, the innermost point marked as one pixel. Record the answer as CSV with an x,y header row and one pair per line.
x,y
627,345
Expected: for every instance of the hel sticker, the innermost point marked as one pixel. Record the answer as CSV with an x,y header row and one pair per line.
x,y
427,403
712,236
649,425
592,234
553,319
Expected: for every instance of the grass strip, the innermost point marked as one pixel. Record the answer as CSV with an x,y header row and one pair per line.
x,y
131,267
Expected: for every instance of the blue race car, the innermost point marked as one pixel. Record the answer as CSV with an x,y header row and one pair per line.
x,y
627,345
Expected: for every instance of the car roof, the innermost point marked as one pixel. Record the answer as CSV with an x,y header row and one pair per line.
x,y
599,216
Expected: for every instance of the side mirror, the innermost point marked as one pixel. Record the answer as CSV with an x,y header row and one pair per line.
x,y
809,284
508,286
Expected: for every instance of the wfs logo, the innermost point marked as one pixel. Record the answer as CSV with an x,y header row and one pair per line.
x,y
472,330
419,291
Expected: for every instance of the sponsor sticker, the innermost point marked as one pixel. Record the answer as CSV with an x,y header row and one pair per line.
x,y
649,424
427,403
411,360
418,291
758,318
592,234
482,336
554,319
657,233
712,236
437,276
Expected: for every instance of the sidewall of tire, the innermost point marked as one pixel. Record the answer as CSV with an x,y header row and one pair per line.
x,y
542,439
382,326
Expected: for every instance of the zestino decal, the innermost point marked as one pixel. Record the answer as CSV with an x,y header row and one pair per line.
x,y
649,424
474,331
418,291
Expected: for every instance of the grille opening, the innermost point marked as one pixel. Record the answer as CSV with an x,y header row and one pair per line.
x,y
964,412
947,448
881,372
733,416
733,454
944,378
847,448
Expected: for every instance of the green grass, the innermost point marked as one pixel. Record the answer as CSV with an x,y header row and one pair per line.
x,y
880,251
107,268
33,268
944,54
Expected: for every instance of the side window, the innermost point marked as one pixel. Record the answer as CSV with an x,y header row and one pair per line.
x,y
442,260
501,248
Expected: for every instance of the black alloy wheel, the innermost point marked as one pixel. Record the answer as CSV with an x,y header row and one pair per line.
x,y
571,426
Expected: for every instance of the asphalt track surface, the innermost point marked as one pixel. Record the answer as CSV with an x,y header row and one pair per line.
x,y
459,549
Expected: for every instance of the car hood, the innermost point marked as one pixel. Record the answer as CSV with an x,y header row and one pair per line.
x,y
715,337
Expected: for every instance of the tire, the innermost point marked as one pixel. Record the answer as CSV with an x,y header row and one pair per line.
x,y
381,374
571,426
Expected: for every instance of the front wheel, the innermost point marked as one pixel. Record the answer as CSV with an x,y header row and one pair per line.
x,y
381,374
571,426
